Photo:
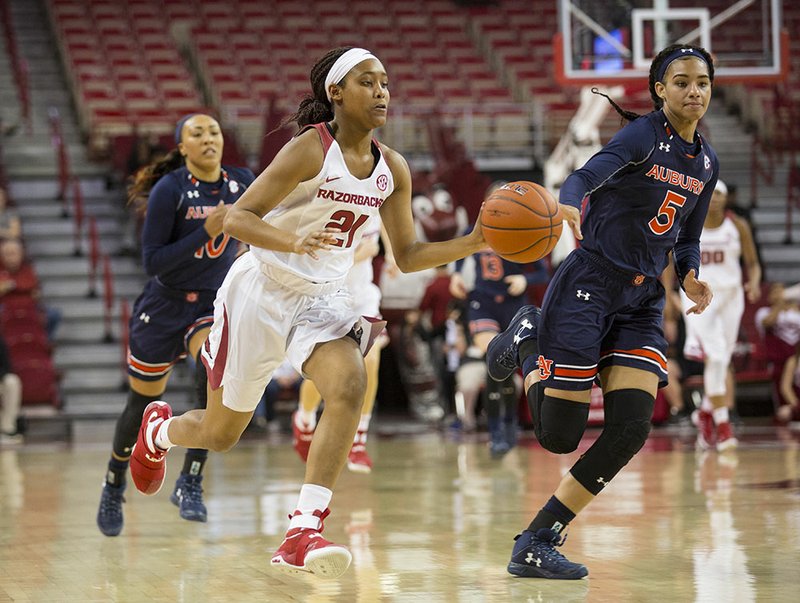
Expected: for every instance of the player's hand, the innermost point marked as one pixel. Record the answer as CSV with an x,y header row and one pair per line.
x,y
697,291
313,241
457,287
753,292
477,233
213,223
517,284
573,218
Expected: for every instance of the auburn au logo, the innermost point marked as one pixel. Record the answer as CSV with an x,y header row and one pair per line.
x,y
545,367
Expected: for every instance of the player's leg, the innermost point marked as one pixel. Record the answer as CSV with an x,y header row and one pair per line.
x,y
304,419
484,330
337,368
358,459
188,492
110,518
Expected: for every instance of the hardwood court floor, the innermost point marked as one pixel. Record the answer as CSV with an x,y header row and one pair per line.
x,y
434,522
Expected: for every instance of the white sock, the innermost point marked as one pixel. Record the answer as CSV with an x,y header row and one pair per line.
x,y
721,415
162,436
312,498
706,404
363,424
307,419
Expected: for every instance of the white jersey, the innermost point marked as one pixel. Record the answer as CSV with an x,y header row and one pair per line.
x,y
334,198
366,294
720,251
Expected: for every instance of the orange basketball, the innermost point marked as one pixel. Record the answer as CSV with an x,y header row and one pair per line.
x,y
521,221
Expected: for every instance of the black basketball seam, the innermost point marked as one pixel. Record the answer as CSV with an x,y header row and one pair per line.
x,y
511,254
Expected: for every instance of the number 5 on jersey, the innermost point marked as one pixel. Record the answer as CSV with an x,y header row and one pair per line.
x,y
661,223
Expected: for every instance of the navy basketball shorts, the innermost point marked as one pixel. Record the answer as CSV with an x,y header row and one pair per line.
x,y
162,323
492,313
595,315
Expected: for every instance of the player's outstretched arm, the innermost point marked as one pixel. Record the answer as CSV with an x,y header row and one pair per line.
x,y
411,254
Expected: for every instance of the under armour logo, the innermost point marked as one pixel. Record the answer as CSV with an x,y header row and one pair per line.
x,y
686,50
529,559
663,146
145,318
584,295
193,194
600,480
526,324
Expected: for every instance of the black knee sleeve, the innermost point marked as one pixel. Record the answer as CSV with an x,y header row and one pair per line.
x,y
627,425
200,382
127,428
561,424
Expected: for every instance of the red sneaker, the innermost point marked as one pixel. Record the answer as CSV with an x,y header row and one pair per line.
x,y
305,550
147,460
357,459
725,439
704,421
301,438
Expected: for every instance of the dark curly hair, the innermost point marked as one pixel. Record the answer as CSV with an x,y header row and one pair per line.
x,y
655,67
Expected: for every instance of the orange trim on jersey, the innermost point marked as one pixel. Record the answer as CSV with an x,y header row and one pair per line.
x,y
565,372
649,354
144,368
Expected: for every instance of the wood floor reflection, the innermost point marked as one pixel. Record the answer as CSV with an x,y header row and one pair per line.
x,y
433,522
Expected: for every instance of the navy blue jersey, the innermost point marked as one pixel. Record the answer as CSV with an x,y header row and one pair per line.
x,y
649,192
176,249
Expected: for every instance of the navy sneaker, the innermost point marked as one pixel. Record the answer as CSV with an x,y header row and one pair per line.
x,y
501,355
188,497
535,556
511,433
109,515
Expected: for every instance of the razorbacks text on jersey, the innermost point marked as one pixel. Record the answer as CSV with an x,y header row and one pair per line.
x,y
334,198
176,249
648,192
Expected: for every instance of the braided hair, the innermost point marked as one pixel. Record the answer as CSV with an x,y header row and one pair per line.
x,y
655,67
145,179
316,108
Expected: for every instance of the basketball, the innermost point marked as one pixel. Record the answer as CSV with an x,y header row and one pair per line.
x,y
521,221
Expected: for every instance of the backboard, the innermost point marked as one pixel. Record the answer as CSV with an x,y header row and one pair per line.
x,y
614,41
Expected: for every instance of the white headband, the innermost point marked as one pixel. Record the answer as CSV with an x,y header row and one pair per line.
x,y
343,65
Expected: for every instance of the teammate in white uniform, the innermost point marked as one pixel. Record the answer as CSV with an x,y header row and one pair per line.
x,y
303,217
726,240
366,302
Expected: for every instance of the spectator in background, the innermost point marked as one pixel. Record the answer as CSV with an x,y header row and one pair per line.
x,y
19,283
434,309
790,389
10,400
499,291
10,225
780,325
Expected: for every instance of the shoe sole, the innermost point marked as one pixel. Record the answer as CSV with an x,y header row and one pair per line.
x,y
330,562
728,444
526,571
356,468
147,485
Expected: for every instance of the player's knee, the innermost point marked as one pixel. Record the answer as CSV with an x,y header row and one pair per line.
x,y
221,440
628,413
346,389
562,424
627,439
559,443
